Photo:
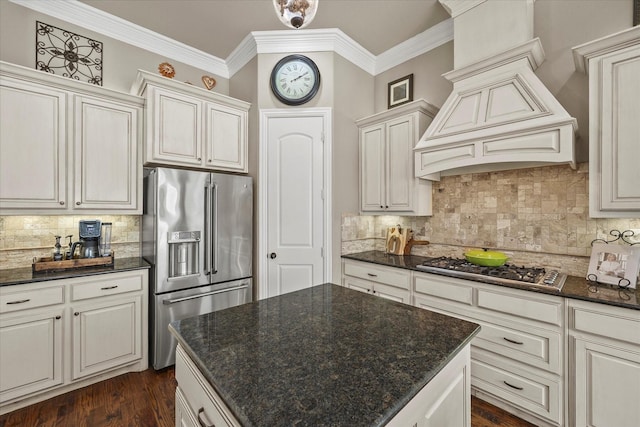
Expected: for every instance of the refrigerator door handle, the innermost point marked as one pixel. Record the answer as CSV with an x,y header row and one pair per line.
x,y
214,240
221,291
207,229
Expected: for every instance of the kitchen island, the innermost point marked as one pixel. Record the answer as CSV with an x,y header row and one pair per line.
x,y
324,356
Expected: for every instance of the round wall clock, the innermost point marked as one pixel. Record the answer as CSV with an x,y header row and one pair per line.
x,y
295,79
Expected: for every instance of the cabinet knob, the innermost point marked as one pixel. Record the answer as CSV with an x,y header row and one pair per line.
x,y
386,207
58,317
61,203
76,314
381,207
199,158
78,203
209,160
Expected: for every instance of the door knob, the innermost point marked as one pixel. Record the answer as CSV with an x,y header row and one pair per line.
x,y
272,255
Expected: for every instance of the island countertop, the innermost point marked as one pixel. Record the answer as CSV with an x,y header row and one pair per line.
x,y
322,356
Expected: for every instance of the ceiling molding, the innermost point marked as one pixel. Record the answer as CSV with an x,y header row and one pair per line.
x,y
458,7
257,42
435,36
85,16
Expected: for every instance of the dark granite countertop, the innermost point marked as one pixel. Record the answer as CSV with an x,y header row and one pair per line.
x,y
574,287
323,356
19,276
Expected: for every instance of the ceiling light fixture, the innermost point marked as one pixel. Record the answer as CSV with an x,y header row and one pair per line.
x,y
296,13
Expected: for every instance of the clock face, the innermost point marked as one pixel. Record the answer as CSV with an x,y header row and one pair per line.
x,y
295,79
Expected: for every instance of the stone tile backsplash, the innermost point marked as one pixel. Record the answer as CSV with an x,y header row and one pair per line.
x,y
540,216
23,238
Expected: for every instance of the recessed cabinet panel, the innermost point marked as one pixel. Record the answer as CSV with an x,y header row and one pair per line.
x,y
106,335
30,354
177,128
226,141
106,147
372,155
400,141
33,154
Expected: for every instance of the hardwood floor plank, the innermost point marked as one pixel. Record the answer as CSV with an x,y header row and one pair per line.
x,y
146,399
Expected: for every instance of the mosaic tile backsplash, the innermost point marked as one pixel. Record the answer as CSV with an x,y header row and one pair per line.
x,y
539,216
23,238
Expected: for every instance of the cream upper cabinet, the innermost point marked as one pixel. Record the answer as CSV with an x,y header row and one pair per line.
x,y
191,127
33,145
613,65
387,179
107,172
67,146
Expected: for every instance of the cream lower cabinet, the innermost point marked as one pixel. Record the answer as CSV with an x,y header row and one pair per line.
x,y
191,127
517,358
387,182
60,335
604,364
31,339
613,65
66,146
385,282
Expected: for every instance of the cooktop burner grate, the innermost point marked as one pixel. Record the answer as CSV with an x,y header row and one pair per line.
x,y
506,273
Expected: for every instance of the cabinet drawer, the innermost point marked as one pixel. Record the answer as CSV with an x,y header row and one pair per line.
x,y
541,396
32,298
199,394
529,305
536,347
443,287
110,284
390,276
612,322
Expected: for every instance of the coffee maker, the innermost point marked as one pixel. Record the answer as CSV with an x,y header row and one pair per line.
x,y
89,231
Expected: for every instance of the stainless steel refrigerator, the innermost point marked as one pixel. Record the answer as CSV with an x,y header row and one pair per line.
x,y
197,235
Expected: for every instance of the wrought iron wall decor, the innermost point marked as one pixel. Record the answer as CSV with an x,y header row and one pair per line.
x,y
68,54
619,235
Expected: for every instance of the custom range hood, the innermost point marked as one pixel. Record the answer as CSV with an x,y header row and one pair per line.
x,y
500,115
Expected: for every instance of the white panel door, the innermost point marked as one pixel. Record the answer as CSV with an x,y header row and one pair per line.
x,y
295,206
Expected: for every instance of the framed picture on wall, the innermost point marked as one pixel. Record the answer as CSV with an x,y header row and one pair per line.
x,y
614,264
400,91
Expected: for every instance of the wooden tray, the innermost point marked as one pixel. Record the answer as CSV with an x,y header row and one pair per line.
x,y
48,264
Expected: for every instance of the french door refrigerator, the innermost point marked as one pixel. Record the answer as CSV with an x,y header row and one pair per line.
x,y
197,236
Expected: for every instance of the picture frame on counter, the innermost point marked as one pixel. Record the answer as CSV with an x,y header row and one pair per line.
x,y
614,265
400,91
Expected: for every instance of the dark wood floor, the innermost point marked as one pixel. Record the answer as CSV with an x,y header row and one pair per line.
x,y
146,399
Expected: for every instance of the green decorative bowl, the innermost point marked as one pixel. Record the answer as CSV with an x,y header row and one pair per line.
x,y
486,258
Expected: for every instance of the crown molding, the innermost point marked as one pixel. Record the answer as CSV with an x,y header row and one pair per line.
x,y
435,36
458,7
85,16
257,42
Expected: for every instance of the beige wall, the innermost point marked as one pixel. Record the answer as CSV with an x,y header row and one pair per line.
x,y
353,94
121,60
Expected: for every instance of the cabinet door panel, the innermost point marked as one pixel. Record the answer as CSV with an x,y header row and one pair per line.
x,y
33,152
620,130
106,335
607,385
106,155
226,140
372,169
176,133
399,173
30,354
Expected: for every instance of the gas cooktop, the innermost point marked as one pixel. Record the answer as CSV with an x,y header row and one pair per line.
x,y
505,274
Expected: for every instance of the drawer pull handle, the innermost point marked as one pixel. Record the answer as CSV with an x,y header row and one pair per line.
x,y
203,423
106,288
58,317
513,386
22,301
512,341
372,275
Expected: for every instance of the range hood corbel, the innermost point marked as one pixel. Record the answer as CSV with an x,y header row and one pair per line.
x,y
499,116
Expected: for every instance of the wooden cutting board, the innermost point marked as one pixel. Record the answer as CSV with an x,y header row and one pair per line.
x,y
396,240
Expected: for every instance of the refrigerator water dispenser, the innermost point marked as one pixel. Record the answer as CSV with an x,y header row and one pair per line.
x,y
184,249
